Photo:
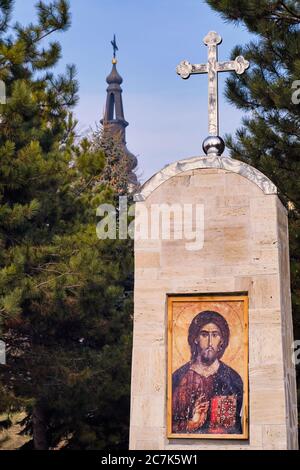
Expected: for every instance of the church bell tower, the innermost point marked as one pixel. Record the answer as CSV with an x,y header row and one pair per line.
x,y
114,121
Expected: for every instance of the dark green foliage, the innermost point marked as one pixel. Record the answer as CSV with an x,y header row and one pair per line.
x,y
117,164
270,136
65,295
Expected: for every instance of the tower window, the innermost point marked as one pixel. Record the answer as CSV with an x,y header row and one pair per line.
x,y
112,107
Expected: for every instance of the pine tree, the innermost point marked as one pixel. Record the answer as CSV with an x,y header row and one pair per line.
x,y
92,404
78,363
32,167
65,295
270,136
117,166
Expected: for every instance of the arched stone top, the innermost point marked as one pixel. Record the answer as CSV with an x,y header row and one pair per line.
x,y
223,162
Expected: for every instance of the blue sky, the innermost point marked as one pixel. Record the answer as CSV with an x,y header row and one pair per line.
x,y
167,115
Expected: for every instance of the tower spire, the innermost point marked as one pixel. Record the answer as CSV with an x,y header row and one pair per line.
x,y
114,120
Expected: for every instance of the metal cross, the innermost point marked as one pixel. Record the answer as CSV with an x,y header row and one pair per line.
x,y
185,69
114,45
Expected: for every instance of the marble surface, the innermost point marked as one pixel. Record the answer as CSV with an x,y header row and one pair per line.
x,y
194,163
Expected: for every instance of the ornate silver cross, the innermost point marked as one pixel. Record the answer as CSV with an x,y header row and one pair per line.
x,y
213,144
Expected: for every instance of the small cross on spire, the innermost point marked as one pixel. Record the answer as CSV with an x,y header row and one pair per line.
x,y
115,47
213,144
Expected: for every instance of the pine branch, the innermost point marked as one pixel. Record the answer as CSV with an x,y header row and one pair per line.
x,y
291,12
40,38
6,10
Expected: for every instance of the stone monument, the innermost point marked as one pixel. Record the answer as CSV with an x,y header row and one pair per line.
x,y
212,348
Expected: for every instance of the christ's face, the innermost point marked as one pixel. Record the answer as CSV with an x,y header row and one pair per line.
x,y
209,341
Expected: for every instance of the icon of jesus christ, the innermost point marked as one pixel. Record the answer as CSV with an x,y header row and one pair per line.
x,y
207,394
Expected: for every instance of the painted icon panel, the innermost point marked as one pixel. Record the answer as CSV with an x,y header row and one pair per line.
x,y
208,367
